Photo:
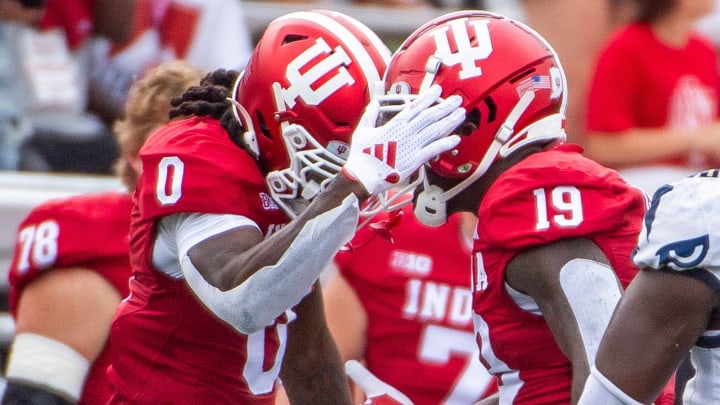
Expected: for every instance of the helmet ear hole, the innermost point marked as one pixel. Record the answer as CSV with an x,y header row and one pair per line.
x,y
470,125
492,109
264,129
293,38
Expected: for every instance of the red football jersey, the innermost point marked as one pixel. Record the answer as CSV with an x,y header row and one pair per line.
x,y
416,293
75,17
172,348
89,231
551,195
640,82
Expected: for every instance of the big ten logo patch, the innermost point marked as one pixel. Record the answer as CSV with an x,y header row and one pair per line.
x,y
273,228
410,263
267,202
316,74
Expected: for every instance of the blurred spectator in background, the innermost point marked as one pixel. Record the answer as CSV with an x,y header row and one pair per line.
x,y
166,30
468,4
392,3
576,28
404,308
46,48
70,267
73,106
653,104
710,25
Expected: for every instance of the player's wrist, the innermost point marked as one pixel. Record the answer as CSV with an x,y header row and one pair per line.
x,y
351,182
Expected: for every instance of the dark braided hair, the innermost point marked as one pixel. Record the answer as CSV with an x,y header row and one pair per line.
x,y
209,99
650,11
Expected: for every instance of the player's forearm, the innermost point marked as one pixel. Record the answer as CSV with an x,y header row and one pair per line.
x,y
273,248
636,146
322,385
253,302
312,371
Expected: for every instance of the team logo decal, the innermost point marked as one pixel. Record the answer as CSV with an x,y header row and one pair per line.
x,y
399,88
339,149
465,53
305,79
685,254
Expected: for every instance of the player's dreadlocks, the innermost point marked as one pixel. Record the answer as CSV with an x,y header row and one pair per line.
x,y
209,99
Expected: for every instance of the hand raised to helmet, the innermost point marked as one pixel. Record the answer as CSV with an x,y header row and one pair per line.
x,y
381,157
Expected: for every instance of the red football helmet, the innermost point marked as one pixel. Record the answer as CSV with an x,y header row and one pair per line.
x,y
511,81
302,94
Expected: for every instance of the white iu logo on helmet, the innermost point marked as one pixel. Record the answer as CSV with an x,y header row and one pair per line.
x,y
466,54
301,83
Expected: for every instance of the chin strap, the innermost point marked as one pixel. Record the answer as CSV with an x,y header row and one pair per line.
x,y
431,206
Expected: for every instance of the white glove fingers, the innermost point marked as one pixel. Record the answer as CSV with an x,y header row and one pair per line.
x,y
443,126
438,113
369,117
424,100
439,146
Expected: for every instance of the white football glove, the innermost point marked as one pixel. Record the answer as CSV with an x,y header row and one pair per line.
x,y
381,157
377,391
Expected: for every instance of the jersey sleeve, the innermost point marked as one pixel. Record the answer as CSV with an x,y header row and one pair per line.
x,y
681,231
86,231
193,166
552,196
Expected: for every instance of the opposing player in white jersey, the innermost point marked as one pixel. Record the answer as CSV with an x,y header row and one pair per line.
x,y
672,304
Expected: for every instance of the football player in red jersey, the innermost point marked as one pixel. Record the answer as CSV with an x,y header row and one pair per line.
x,y
671,307
70,267
224,296
402,306
555,230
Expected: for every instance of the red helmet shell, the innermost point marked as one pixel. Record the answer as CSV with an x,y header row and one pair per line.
x,y
316,69
489,60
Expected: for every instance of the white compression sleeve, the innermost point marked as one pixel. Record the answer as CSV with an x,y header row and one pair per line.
x,y
266,294
45,362
593,291
601,391
704,386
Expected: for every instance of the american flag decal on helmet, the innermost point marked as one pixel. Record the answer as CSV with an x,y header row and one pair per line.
x,y
387,156
534,83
